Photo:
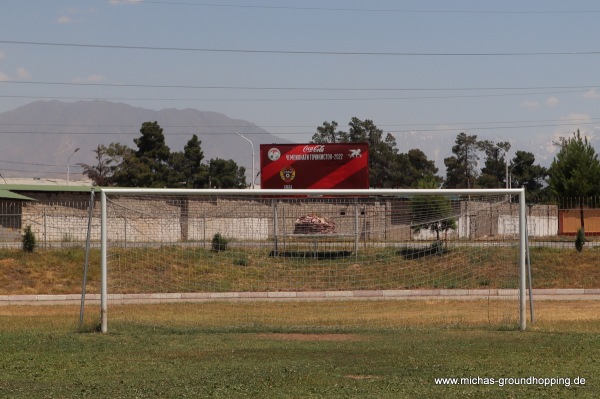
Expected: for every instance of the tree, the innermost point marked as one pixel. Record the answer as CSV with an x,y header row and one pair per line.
x,y
151,162
28,240
421,165
387,168
328,133
382,151
154,165
461,169
101,173
575,171
523,173
432,212
579,240
149,165
188,169
493,173
413,167
226,174
108,168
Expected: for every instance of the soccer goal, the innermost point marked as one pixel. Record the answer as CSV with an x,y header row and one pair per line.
x,y
328,259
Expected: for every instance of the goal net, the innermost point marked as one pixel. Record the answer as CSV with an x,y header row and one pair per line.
x,y
312,259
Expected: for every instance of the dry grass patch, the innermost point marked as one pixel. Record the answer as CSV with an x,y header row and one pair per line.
x,y
312,337
363,377
59,271
567,310
300,318
565,268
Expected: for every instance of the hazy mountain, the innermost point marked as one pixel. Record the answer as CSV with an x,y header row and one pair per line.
x,y
37,139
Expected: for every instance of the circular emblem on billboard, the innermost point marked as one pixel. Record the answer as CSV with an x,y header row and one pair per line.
x,y
274,154
287,175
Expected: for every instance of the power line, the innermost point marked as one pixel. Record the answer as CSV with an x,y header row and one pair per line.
x,y
213,133
289,99
308,88
590,119
37,172
300,52
29,163
373,10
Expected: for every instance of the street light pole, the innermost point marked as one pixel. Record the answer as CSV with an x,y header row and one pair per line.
x,y
69,160
252,145
510,173
506,171
505,152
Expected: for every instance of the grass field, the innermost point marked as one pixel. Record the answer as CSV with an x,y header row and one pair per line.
x,y
45,356
202,350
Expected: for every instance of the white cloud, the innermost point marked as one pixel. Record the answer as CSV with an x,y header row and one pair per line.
x,y
533,105
74,15
576,118
23,74
89,79
592,93
65,19
530,104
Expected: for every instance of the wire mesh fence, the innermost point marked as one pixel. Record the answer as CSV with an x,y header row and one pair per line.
x,y
64,223
54,224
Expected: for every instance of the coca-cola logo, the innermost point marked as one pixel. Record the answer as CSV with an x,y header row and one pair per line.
x,y
313,148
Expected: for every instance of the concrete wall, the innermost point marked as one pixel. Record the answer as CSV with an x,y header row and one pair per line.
x,y
184,219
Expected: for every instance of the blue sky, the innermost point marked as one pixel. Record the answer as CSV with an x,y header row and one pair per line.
x,y
427,67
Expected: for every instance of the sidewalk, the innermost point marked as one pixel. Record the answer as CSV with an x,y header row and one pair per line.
x,y
543,294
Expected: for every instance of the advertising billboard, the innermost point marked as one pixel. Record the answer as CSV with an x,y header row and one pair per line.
x,y
314,166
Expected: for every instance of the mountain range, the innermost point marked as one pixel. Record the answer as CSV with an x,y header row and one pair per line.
x,y
39,139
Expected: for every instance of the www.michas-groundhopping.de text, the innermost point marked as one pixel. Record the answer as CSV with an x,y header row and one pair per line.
x,y
506,381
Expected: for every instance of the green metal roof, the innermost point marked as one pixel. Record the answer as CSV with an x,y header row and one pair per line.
x,y
45,187
5,194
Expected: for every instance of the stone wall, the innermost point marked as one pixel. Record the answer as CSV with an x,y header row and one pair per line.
x,y
198,219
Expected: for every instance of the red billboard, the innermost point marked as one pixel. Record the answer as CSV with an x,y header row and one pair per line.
x,y
317,166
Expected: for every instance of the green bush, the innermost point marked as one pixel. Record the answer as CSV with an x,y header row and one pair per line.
x,y
436,248
241,260
28,240
219,243
579,240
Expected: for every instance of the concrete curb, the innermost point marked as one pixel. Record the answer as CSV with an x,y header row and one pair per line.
x,y
565,294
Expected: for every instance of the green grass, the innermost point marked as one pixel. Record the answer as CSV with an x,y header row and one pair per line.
x,y
194,350
43,356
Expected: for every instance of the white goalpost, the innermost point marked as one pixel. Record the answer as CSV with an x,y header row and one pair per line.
x,y
314,259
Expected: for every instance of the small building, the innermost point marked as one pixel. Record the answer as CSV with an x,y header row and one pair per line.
x,y
40,204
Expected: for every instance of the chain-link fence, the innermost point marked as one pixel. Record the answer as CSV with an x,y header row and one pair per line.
x,y
58,223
